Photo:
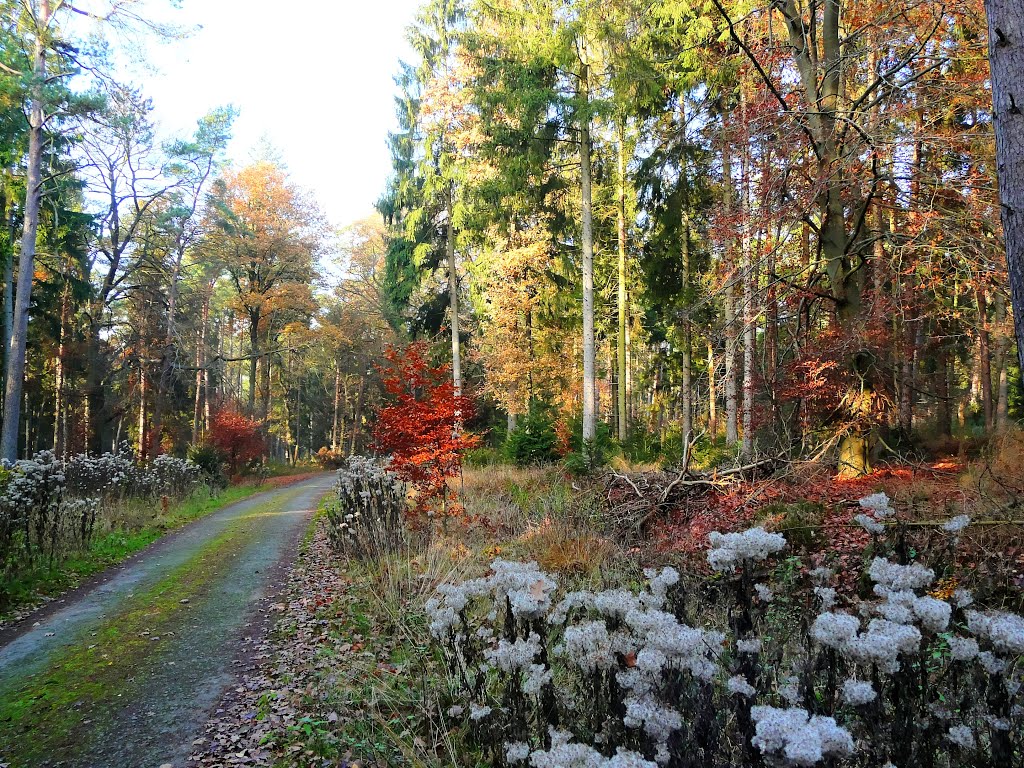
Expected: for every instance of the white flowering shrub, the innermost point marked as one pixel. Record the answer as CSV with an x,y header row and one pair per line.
x,y
49,507
120,475
367,515
777,675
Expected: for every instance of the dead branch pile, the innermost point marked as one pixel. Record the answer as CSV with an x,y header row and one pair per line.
x,y
635,498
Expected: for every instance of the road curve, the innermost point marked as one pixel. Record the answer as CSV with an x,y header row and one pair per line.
x,y
126,672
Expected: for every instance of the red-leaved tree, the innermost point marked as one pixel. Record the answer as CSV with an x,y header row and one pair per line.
x,y
238,436
421,427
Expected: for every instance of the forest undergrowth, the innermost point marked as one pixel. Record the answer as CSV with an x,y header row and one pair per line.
x,y
358,671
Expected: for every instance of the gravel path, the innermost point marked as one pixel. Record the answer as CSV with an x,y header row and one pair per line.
x,y
126,673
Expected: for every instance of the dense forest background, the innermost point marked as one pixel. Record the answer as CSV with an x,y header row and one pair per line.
x,y
758,228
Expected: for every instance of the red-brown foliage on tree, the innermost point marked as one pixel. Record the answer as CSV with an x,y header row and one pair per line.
x,y
238,436
421,427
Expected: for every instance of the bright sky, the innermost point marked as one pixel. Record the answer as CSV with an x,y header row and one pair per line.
x,y
312,77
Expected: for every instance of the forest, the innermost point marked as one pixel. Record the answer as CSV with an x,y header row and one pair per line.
x,y
667,410
639,224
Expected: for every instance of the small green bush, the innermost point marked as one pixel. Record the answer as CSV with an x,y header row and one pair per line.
x,y
211,460
534,440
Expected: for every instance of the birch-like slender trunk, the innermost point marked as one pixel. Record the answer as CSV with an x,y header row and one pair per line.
x,y
731,332
26,262
8,316
589,352
749,278
623,416
337,406
453,307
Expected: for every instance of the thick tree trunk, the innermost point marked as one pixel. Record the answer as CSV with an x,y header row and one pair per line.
x,y
589,352
621,411
26,262
1006,59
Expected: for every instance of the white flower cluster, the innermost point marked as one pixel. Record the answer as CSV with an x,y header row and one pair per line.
x,y
368,514
1005,631
957,524
881,644
893,576
121,474
858,692
729,550
566,754
803,740
878,510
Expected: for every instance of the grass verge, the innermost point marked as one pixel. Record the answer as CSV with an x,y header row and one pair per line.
x,y
108,549
59,709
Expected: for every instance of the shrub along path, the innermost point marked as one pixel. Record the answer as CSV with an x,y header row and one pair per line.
x,y
126,673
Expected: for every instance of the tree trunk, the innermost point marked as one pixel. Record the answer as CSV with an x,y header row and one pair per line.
x,y
731,332
1006,60
712,394
1003,360
453,299
357,420
26,263
623,416
749,318
984,359
589,352
945,409
687,399
59,385
254,358
8,316
337,404
143,445
202,374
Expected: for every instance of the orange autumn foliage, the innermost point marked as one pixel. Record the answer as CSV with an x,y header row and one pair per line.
x,y
421,427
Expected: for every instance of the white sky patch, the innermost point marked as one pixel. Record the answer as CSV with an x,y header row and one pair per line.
x,y
312,79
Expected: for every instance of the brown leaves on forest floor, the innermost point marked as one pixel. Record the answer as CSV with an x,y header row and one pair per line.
x,y
272,698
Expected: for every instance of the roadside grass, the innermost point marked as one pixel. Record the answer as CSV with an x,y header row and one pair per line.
x,y
375,689
122,530
44,715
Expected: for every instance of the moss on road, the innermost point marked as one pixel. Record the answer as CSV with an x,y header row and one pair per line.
x,y
126,677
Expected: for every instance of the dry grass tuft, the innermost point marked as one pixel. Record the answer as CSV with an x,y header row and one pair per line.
x,y
563,548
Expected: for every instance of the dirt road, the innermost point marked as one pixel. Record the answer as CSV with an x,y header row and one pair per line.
x,y
125,673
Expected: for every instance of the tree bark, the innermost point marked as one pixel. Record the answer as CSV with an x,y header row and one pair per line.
x,y
731,335
749,318
589,352
1006,61
623,416
984,358
26,263
254,357
453,306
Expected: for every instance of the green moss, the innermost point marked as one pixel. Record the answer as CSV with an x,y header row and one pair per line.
x,y
81,684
